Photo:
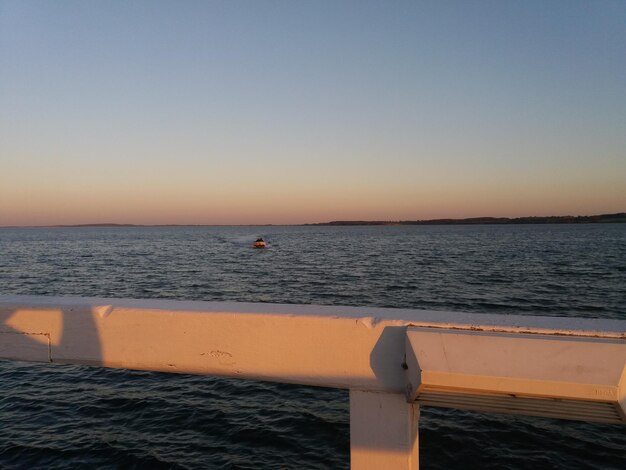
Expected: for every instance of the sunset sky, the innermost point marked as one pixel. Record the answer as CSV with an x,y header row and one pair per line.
x,y
249,112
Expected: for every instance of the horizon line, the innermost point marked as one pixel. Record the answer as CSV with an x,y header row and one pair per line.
x,y
486,220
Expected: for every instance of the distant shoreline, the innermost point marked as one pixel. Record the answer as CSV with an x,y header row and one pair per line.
x,y
534,220
619,217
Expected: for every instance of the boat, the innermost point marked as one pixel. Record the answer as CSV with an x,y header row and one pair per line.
x,y
260,243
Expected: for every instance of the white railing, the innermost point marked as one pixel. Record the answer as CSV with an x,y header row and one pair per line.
x,y
391,360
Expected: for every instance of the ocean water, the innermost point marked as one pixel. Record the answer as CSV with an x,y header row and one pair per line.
x,y
54,416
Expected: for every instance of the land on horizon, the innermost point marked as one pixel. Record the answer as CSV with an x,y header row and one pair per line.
x,y
311,113
619,217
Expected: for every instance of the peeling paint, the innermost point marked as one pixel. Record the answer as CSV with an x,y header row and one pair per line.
x,y
103,310
368,322
223,357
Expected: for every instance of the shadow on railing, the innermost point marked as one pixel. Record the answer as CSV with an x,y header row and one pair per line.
x,y
391,360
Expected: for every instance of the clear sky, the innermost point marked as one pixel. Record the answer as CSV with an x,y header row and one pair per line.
x,y
236,112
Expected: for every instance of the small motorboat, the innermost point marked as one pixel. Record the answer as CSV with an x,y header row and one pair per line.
x,y
260,243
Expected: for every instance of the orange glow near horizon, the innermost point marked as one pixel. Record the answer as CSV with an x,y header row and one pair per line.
x,y
220,113
258,206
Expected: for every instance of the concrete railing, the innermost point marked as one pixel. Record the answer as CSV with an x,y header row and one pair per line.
x,y
391,360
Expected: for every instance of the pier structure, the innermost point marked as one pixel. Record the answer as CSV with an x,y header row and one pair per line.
x,y
393,361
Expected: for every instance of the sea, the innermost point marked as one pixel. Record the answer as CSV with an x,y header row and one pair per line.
x,y
69,417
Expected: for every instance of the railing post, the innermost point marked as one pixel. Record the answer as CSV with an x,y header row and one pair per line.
x,y
383,431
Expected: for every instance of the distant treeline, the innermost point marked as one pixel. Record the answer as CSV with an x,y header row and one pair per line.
x,y
97,225
561,219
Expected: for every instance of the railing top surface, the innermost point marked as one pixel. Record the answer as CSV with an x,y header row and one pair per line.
x,y
367,316
357,348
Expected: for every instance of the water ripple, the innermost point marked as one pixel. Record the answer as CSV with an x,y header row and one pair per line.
x,y
68,416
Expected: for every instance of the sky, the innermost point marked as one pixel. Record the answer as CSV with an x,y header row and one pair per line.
x,y
287,112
